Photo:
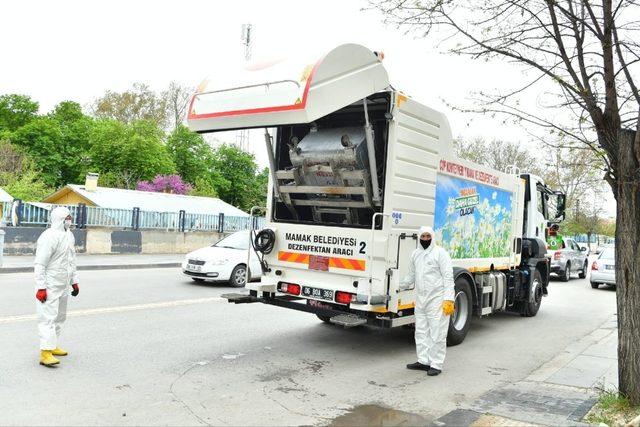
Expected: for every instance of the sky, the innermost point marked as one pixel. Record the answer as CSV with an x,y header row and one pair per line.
x,y
76,50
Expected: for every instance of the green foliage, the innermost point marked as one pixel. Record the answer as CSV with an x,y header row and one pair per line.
x,y
58,143
26,184
204,188
258,194
125,144
239,169
496,154
612,408
42,140
191,154
128,153
16,111
137,103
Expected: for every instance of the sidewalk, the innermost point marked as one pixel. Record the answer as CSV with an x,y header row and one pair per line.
x,y
24,264
558,393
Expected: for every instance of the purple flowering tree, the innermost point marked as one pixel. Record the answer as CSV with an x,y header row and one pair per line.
x,y
165,184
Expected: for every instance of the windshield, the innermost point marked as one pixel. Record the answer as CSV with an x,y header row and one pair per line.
x,y
608,253
238,240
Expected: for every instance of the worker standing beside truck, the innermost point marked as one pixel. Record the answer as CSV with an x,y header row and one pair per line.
x,y
431,272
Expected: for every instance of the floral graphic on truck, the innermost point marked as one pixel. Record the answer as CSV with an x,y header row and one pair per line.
x,y
472,220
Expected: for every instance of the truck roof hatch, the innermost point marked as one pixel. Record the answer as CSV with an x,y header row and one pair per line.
x,y
284,92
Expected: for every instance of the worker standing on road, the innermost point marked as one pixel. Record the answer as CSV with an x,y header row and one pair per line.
x,y
55,270
431,272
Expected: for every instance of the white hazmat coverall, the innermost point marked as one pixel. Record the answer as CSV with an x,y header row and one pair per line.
x,y
432,273
55,270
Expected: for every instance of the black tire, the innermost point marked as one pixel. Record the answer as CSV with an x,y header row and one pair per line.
x,y
583,272
566,274
530,309
325,319
238,276
460,320
595,285
195,279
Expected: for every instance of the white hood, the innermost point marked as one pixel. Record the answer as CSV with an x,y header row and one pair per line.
x,y
427,229
58,216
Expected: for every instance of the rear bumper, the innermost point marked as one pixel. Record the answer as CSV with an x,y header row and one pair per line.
x,y
597,277
301,304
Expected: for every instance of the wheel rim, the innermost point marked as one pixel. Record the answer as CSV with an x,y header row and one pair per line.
x,y
239,277
537,292
461,311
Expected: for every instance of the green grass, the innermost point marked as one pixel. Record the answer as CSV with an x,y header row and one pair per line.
x,y
612,409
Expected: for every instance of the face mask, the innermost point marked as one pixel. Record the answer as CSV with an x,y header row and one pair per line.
x,y
67,224
425,243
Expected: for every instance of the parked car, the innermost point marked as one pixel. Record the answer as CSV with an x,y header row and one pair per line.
x,y
571,258
224,261
603,269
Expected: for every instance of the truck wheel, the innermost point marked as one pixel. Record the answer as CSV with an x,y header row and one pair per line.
x,y
595,285
530,309
566,274
460,320
583,272
325,319
238,278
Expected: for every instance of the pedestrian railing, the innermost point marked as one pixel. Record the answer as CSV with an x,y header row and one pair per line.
x,y
37,214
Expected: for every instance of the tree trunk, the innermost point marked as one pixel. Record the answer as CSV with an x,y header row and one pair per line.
x,y
628,264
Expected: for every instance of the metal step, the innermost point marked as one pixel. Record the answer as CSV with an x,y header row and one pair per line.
x,y
487,289
486,311
348,320
239,298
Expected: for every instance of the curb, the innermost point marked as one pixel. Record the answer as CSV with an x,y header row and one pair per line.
x,y
99,267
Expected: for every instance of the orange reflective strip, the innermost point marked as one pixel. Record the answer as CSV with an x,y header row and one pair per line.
x,y
284,256
302,258
344,263
358,264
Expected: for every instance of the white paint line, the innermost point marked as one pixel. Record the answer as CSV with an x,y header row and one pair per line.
x,y
120,309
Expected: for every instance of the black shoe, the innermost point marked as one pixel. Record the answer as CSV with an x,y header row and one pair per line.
x,y
432,372
418,366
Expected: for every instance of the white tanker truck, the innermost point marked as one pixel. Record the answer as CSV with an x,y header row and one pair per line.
x,y
356,168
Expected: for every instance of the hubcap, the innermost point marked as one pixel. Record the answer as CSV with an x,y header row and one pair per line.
x,y
461,311
240,276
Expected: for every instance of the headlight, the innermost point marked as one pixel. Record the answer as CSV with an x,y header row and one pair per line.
x,y
219,261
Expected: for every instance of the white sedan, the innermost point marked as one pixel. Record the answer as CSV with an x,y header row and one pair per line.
x,y
603,269
224,261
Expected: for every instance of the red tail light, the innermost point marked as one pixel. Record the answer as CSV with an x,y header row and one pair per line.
x,y
557,255
289,288
594,266
343,297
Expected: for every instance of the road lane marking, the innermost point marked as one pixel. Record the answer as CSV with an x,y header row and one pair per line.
x,y
120,309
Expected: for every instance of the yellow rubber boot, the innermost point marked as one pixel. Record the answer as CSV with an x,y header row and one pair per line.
x,y
58,352
47,359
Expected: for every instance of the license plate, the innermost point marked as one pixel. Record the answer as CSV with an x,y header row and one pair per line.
x,y
318,293
609,267
320,263
192,267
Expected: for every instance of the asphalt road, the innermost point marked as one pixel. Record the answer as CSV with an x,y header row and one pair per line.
x,y
150,347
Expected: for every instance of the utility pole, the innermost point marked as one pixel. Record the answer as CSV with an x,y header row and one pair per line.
x,y
242,136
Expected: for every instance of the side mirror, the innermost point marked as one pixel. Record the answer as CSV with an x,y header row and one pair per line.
x,y
561,204
583,249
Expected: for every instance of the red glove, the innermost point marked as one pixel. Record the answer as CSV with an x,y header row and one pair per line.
x,y
41,295
76,290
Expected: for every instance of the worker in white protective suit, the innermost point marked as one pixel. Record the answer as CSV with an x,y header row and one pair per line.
x,y
431,272
56,274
